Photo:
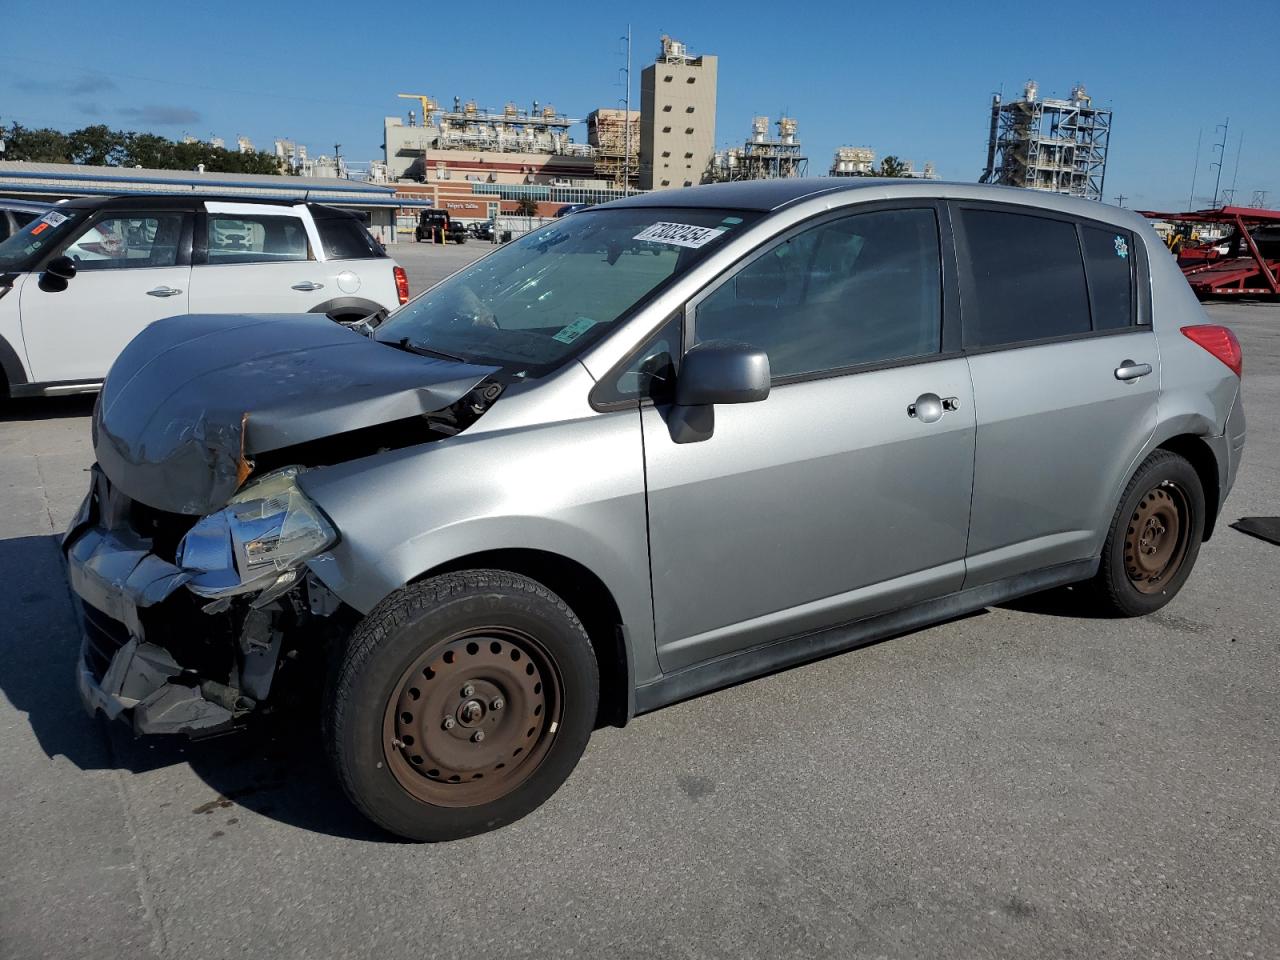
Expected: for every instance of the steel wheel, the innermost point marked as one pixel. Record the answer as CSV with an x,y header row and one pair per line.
x,y
1155,541
473,717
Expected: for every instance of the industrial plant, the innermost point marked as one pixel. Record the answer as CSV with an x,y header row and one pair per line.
x,y
762,157
1046,144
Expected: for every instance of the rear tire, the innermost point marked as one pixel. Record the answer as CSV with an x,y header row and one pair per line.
x,y
460,704
1154,537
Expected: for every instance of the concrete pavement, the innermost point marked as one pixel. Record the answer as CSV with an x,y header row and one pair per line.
x,y
1021,783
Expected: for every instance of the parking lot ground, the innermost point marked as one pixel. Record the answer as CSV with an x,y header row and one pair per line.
x,y
1021,783
427,263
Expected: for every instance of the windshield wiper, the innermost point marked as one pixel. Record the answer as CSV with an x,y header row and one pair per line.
x,y
404,343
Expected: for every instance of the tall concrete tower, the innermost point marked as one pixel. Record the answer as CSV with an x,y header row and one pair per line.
x,y
677,118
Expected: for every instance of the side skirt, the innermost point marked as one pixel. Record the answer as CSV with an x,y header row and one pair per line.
x,y
792,651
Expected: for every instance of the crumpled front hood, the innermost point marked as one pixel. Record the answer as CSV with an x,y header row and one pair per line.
x,y
192,398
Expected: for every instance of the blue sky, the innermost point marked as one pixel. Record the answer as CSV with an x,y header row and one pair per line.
x,y
913,79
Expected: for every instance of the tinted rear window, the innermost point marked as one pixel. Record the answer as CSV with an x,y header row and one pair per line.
x,y
345,239
1108,257
1025,279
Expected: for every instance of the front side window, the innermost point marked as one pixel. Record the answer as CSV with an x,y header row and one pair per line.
x,y
537,302
1024,278
862,289
1108,257
128,241
254,238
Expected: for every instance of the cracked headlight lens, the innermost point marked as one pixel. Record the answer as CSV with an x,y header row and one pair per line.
x,y
257,540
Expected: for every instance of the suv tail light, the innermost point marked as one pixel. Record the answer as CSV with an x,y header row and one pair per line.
x,y
1219,341
402,285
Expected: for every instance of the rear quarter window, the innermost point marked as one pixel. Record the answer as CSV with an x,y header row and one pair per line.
x,y
345,239
1109,259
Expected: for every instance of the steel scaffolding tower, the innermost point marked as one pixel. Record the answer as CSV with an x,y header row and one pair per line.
x,y
763,157
1054,145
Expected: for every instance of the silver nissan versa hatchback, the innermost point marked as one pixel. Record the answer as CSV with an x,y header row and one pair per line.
x,y
659,447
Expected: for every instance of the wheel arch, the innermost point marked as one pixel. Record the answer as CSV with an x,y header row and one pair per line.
x,y
12,372
1204,461
348,306
590,600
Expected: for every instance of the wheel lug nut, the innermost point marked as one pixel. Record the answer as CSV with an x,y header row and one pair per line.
x,y
477,736
468,691
497,704
448,723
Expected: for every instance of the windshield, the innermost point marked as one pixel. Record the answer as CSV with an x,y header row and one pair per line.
x,y
543,298
26,246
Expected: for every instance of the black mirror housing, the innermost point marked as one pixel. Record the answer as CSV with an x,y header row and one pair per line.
x,y
64,268
722,371
56,273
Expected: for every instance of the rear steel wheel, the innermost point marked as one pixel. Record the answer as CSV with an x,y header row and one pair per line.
x,y
1155,540
473,717
1154,537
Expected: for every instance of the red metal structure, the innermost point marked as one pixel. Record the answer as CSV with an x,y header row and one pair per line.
x,y
1251,264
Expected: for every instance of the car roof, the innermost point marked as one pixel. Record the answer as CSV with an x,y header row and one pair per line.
x,y
192,201
767,196
10,203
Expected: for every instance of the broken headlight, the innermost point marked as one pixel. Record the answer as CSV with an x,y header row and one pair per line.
x,y
257,541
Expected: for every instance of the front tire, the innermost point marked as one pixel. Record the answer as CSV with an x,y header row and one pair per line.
x,y
1154,537
461,703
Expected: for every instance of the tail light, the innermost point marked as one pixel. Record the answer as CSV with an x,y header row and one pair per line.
x,y
1219,341
402,285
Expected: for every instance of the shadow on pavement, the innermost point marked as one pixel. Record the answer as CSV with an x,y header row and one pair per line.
x,y
276,768
1073,603
47,408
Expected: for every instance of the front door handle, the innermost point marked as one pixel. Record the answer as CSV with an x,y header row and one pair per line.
x,y
929,407
1130,371
163,292
308,285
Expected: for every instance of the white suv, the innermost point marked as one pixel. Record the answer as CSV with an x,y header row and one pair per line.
x,y
81,281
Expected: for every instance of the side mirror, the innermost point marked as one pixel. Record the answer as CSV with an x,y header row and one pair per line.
x,y
722,371
56,274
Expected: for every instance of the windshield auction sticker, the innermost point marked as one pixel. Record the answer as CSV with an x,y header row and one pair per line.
x,y
679,234
573,331
53,218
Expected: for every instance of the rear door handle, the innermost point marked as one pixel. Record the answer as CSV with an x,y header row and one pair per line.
x,y
929,407
308,285
1130,371
163,292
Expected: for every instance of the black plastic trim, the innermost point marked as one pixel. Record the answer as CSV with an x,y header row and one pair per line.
x,y
14,372
345,304
792,651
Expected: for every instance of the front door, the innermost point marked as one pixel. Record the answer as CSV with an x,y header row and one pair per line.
x,y
129,273
846,492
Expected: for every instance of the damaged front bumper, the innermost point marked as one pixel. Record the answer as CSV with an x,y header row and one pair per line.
x,y
152,652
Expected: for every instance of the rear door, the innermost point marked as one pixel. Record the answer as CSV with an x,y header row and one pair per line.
x,y
255,258
831,500
133,268
1047,340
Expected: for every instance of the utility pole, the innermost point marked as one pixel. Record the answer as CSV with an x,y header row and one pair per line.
x,y
1191,201
337,160
1222,153
1121,199
1236,175
626,113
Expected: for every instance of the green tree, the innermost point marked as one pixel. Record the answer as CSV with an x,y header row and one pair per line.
x,y
891,166
97,145
527,207
38,146
148,150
